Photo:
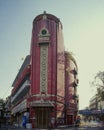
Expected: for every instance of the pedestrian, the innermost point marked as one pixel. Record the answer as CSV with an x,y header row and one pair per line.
x,y
24,121
77,121
52,122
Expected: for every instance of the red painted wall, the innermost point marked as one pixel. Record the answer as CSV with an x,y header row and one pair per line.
x,y
55,59
38,24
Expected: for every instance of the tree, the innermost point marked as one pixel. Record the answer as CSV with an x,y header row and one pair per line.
x,y
99,84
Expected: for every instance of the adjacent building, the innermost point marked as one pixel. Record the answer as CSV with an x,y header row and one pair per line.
x,y
95,110
71,82
45,88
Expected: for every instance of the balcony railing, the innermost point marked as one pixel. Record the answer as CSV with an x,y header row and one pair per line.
x,y
24,85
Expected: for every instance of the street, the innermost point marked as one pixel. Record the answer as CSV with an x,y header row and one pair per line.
x,y
70,128
87,128
92,125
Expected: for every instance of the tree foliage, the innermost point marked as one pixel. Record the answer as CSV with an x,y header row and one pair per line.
x,y
99,84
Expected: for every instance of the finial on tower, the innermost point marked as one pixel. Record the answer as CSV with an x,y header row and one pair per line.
x,y
44,12
44,16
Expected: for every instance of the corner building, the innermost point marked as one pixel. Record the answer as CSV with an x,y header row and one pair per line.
x,y
47,70
42,88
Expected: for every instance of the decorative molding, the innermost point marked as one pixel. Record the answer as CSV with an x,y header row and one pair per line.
x,y
43,67
43,34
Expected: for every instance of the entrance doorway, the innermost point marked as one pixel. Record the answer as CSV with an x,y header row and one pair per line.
x,y
69,119
43,117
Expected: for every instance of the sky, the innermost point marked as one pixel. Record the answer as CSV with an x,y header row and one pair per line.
x,y
83,31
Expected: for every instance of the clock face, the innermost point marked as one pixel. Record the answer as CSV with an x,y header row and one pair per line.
x,y
44,32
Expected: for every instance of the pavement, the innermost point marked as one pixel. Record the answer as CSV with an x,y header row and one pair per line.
x,y
91,124
5,127
83,126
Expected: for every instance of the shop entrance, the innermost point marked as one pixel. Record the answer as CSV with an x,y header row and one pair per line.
x,y
43,117
69,119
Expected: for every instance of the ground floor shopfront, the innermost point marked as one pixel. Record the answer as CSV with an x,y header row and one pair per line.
x,y
39,115
43,114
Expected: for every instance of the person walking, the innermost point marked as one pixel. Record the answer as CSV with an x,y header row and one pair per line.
x,y
24,120
77,121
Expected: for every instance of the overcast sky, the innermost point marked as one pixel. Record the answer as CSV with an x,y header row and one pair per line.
x,y
83,30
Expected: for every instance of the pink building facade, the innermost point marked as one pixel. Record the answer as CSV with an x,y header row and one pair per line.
x,y
42,89
71,83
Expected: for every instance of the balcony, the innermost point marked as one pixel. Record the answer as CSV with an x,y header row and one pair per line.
x,y
75,96
21,92
74,71
75,83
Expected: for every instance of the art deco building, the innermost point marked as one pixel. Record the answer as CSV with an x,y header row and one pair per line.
x,y
45,87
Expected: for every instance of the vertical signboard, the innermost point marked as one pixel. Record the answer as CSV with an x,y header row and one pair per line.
x,y
43,67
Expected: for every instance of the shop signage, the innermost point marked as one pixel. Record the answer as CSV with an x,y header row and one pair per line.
x,y
41,104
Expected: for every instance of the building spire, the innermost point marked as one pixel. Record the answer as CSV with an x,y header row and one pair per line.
x,y
44,16
44,12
